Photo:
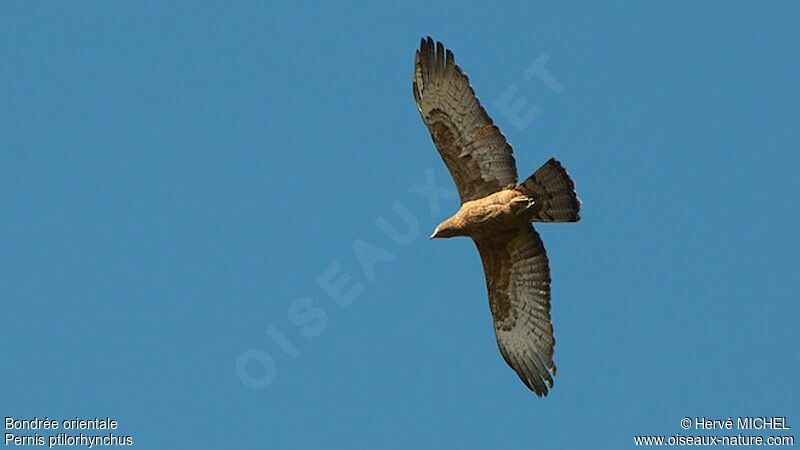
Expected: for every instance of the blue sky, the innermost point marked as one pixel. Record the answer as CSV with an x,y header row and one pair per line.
x,y
176,179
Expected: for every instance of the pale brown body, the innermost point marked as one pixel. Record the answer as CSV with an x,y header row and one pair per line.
x,y
490,215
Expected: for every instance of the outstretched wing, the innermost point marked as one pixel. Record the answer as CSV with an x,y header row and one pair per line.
x,y
518,281
473,148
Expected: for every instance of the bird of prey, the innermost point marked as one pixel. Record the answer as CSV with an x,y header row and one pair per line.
x,y
497,212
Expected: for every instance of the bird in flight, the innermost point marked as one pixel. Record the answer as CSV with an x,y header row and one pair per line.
x,y
497,212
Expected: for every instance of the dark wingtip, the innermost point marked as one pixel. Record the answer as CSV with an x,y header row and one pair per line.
x,y
539,392
430,45
427,45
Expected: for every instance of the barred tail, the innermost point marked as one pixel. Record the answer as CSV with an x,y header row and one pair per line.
x,y
554,192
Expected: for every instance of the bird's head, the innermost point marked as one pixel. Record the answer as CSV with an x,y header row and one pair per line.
x,y
446,229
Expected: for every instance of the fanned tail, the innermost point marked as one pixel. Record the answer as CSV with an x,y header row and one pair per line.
x,y
554,193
